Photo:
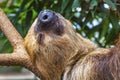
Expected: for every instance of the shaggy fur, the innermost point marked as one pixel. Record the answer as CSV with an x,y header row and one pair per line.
x,y
60,53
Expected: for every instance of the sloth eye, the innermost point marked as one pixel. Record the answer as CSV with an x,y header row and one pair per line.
x,y
59,30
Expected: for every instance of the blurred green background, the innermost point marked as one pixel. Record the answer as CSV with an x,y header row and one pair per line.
x,y
97,20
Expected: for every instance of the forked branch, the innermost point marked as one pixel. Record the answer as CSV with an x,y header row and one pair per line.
x,y
19,56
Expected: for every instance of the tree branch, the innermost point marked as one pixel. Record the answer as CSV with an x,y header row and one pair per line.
x,y
9,30
18,60
20,56
11,59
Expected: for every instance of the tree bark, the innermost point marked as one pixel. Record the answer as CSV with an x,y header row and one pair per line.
x,y
19,57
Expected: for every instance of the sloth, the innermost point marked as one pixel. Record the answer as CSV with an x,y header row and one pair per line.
x,y
60,53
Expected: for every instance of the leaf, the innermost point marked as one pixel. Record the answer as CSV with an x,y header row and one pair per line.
x,y
115,21
88,18
115,28
19,29
64,5
93,3
6,47
29,17
105,27
102,15
76,3
111,4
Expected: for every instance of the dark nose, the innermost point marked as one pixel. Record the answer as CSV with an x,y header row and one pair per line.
x,y
46,16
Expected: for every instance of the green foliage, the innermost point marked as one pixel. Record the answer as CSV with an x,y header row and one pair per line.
x,y
98,20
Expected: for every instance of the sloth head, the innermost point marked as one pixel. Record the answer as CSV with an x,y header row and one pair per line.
x,y
50,24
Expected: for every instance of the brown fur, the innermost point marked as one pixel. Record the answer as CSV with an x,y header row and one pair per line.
x,y
71,57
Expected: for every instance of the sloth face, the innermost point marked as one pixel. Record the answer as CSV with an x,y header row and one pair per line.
x,y
50,24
